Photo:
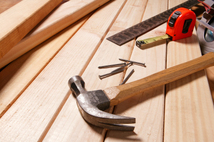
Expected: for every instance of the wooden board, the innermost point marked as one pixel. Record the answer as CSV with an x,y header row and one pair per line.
x,y
45,109
146,107
33,107
106,50
67,13
7,4
20,19
210,75
189,112
20,73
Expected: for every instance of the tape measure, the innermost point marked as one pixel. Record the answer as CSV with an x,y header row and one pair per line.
x,y
147,25
180,25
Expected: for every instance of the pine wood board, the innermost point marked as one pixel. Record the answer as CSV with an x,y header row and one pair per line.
x,y
20,73
62,128
64,15
20,19
107,53
147,107
210,75
34,111
189,112
7,4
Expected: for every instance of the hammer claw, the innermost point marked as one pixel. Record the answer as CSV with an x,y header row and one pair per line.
x,y
106,120
92,104
116,127
110,122
94,115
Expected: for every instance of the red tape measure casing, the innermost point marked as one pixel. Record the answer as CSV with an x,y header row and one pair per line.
x,y
181,23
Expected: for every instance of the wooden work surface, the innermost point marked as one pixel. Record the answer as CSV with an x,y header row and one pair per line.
x,y
36,104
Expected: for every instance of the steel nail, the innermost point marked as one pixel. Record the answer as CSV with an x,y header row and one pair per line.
x,y
134,62
112,65
128,76
111,73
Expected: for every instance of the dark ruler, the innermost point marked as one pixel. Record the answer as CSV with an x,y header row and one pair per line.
x,y
147,25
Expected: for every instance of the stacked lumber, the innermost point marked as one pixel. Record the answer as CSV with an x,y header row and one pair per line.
x,y
64,15
7,4
20,73
189,107
71,64
29,66
37,105
21,19
147,107
107,53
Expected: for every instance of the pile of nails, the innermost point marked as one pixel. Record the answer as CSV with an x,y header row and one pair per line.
x,y
122,67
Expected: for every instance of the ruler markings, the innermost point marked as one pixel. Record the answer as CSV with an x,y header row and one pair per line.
x,y
147,25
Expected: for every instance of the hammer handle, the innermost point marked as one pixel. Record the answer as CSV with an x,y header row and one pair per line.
x,y
120,93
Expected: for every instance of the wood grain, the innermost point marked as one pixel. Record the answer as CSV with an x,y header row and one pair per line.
x,y
20,19
189,112
67,13
20,73
146,107
120,93
6,4
107,53
210,75
43,108
42,100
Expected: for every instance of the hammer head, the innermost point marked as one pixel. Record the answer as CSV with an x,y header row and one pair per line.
x,y
92,104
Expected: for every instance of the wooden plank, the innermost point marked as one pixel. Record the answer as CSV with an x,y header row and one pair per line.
x,y
189,110
67,13
19,74
210,75
189,113
107,53
7,4
147,107
33,113
20,19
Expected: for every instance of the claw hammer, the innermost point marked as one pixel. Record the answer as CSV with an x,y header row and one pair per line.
x,y
93,103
